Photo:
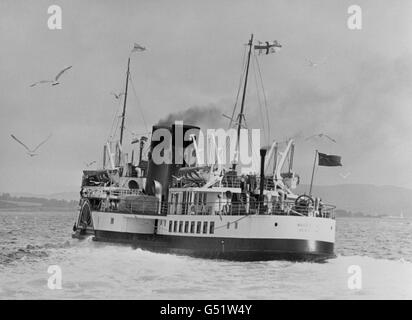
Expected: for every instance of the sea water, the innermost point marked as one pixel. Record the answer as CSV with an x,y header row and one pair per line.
x,y
33,244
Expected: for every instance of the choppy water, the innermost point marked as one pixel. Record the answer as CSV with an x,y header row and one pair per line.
x,y
31,242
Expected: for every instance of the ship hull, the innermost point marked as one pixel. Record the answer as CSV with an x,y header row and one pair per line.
x,y
242,238
225,248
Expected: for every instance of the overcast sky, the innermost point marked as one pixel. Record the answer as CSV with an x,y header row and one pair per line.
x,y
361,96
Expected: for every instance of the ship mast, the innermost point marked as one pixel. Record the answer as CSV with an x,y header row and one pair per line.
x,y
124,101
241,115
124,110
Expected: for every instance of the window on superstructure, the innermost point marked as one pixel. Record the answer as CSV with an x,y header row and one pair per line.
x,y
170,226
180,226
205,227
212,227
192,227
186,226
228,225
184,203
199,198
199,227
174,226
175,199
236,225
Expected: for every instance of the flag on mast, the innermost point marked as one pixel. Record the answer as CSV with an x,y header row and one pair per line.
x,y
267,47
138,48
329,160
325,160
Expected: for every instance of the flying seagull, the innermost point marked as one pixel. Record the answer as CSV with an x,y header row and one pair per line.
x,y
31,153
344,176
137,48
294,137
89,164
53,82
321,135
117,95
311,63
316,64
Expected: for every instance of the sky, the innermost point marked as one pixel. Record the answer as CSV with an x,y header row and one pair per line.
x,y
361,95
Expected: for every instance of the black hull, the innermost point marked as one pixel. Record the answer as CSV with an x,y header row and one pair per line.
x,y
225,248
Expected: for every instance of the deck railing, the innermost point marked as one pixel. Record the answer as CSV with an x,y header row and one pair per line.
x,y
132,201
286,207
154,207
225,182
101,193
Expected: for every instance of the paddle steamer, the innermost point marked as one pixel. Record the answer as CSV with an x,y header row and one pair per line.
x,y
208,210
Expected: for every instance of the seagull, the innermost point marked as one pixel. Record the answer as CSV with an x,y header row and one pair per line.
x,y
311,63
89,164
53,82
117,95
138,47
294,137
316,64
31,153
344,176
321,135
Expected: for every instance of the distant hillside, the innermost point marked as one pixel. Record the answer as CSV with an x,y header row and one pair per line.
x,y
368,199
34,203
68,196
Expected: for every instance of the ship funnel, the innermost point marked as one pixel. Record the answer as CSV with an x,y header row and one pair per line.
x,y
163,172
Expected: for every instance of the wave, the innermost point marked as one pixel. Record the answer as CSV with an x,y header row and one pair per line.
x,y
182,277
98,270
29,252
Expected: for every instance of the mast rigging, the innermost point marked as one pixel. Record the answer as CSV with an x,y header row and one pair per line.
x,y
241,115
124,101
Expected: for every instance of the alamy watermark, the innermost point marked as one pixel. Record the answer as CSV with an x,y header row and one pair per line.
x,y
55,280
355,19
217,146
55,20
355,280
